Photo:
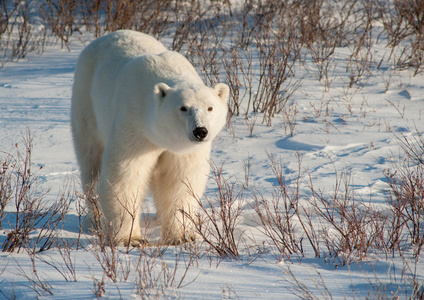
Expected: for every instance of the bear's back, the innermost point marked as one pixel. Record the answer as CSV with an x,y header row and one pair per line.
x,y
121,46
171,68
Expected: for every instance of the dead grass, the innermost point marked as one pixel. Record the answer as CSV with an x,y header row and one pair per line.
x,y
32,223
256,49
217,223
223,41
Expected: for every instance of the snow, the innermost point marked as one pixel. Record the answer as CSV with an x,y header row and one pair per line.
x,y
340,130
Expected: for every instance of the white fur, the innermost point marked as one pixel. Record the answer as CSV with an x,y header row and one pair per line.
x,y
130,134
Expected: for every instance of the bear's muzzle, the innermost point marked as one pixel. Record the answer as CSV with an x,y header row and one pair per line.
x,y
200,133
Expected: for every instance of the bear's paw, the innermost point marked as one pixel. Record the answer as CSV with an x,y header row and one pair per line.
x,y
186,237
134,241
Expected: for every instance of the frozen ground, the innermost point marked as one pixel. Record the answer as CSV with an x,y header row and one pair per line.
x,y
336,130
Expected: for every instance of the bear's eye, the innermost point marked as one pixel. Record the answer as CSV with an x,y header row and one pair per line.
x,y
183,108
210,108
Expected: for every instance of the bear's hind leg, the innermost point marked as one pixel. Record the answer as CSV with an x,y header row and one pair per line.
x,y
89,156
87,143
90,162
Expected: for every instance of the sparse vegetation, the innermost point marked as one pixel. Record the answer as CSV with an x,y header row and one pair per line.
x,y
32,224
217,224
257,48
223,41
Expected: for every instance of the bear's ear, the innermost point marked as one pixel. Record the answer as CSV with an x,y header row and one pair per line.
x,y
161,89
223,91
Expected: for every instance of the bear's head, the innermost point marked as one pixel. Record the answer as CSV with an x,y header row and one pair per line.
x,y
190,115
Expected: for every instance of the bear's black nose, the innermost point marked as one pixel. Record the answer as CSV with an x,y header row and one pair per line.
x,y
200,133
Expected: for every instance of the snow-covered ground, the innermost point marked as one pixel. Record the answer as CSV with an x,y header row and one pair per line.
x,y
337,130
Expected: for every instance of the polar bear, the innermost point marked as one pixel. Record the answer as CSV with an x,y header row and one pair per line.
x,y
142,120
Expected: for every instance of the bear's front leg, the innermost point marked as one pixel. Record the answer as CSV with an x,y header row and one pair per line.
x,y
125,176
175,204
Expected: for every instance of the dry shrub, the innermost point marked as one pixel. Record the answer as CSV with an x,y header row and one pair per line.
x,y
217,223
225,41
412,146
276,218
20,189
404,26
286,220
119,259
66,268
187,23
149,16
321,34
337,225
18,33
360,62
305,290
60,17
104,245
267,36
204,49
407,199
38,284
276,60
154,277
238,70
6,185
320,26
352,229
